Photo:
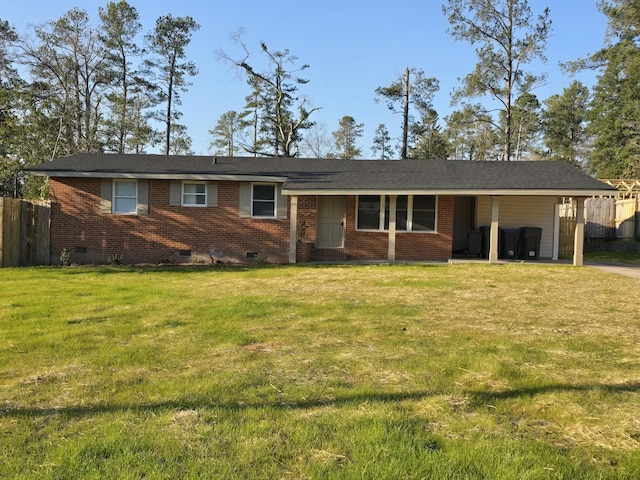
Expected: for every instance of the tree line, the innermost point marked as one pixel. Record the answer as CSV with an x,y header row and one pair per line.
x,y
498,115
71,86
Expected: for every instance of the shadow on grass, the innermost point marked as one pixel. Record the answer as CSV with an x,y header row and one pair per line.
x,y
478,399
222,268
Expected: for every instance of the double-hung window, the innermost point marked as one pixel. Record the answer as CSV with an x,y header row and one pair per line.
x,y
423,218
125,197
194,194
369,212
263,200
414,213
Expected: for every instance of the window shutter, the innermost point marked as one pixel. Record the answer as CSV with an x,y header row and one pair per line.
x,y
143,197
175,193
281,203
245,200
106,191
212,194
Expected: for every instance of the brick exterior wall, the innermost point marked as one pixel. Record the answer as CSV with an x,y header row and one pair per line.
x,y
166,234
409,246
175,234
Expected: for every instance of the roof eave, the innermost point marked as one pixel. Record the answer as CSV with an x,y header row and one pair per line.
x,y
162,176
457,192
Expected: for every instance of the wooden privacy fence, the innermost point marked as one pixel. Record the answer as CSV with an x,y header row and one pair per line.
x,y
626,218
608,218
24,232
624,215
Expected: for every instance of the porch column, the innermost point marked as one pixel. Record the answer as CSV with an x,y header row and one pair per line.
x,y
293,229
578,240
391,255
493,242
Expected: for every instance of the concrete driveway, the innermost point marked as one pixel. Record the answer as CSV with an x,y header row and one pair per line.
x,y
627,270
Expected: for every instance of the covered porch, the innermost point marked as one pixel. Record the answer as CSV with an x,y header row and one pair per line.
x,y
494,213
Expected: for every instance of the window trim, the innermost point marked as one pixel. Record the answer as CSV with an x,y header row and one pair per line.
x,y
115,197
196,205
275,200
409,226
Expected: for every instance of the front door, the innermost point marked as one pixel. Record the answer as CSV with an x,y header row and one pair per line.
x,y
331,213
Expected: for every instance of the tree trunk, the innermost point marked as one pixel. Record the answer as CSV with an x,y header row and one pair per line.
x,y
405,116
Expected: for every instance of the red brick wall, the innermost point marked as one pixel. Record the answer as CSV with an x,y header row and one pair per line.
x,y
409,246
210,233
306,228
219,231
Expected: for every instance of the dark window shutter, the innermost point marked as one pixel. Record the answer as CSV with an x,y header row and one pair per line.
x,y
212,194
281,203
143,197
245,200
175,193
106,190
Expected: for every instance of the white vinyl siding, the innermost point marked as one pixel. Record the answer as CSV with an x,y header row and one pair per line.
x,y
516,212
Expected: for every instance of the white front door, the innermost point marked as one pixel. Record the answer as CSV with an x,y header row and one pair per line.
x,y
330,231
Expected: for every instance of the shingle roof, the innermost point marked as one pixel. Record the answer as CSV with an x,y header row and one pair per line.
x,y
334,175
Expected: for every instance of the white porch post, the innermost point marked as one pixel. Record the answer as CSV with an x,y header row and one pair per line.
x,y
391,255
555,253
578,240
293,229
493,242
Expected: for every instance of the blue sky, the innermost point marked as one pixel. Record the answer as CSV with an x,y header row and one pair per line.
x,y
352,48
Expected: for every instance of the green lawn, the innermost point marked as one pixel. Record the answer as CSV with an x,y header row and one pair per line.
x,y
616,257
473,371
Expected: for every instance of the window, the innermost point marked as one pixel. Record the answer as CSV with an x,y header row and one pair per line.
x,y
424,213
414,213
369,212
263,201
125,196
194,194
402,211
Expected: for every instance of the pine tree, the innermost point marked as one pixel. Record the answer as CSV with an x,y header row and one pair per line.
x,y
169,67
346,137
510,38
614,115
69,62
120,26
411,91
564,124
382,143
228,133
273,99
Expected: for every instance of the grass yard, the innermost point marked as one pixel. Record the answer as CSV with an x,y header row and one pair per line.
x,y
467,371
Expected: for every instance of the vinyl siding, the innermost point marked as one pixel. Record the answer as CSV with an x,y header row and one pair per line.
x,y
516,212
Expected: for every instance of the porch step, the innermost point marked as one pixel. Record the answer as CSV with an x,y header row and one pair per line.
x,y
329,255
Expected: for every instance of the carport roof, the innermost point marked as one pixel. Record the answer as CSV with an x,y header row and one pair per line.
x,y
336,176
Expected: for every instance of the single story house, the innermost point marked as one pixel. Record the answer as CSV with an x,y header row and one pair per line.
x,y
185,209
